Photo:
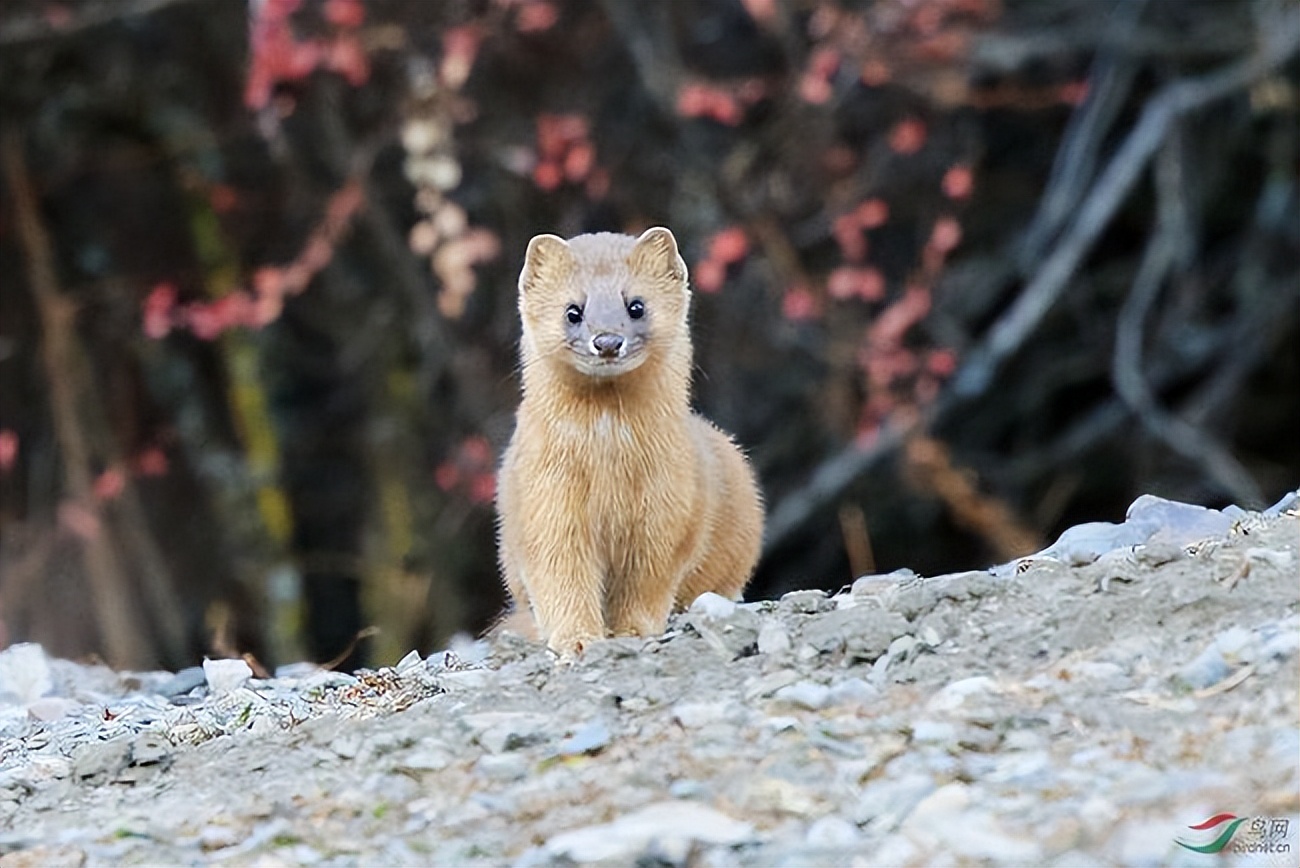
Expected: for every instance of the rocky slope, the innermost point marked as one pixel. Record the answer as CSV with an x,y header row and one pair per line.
x,y
1084,706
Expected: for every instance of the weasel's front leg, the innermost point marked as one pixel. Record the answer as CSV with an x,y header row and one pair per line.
x,y
639,600
565,585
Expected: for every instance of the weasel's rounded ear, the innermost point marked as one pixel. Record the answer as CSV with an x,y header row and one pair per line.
x,y
655,255
548,256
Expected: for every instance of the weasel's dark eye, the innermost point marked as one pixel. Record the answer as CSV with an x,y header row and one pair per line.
x,y
636,308
573,314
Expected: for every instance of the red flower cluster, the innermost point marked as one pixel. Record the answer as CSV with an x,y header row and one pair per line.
x,y
907,136
471,471
815,84
208,320
8,449
848,228
535,16
278,55
724,249
856,281
724,104
565,153
799,304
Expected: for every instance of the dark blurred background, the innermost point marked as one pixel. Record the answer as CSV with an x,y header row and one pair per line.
x,y
967,272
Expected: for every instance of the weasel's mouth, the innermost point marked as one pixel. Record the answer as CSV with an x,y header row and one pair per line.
x,y
598,365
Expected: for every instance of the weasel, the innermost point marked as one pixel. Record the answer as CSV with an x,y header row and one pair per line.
x,y
616,503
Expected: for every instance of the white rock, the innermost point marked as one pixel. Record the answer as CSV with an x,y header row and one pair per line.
x,y
410,662
1281,560
468,649
933,731
693,715
853,691
712,605
466,679
953,695
945,819
666,825
885,802
424,758
588,738
831,831
226,675
500,731
805,694
502,767
773,638
1206,669
1237,645
49,708
24,673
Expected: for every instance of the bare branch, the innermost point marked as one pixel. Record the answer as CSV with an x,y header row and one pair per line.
x,y
1110,191
125,638
1162,252
833,477
36,28
1109,82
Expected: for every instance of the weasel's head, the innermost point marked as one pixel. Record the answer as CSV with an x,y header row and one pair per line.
x,y
602,303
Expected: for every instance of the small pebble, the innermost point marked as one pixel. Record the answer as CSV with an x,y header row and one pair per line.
x,y
224,676
713,605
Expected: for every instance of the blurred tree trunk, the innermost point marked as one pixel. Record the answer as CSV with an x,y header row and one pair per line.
x,y
105,527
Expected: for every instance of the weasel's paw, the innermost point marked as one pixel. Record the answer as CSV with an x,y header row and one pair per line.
x,y
569,646
639,624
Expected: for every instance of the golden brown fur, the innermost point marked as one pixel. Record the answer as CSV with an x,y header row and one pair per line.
x,y
616,503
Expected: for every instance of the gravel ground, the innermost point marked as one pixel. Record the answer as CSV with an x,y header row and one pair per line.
x,y
1084,706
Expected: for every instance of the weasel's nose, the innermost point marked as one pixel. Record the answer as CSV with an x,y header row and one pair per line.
x,y
607,344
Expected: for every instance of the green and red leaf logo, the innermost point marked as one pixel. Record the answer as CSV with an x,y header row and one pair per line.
x,y
1214,833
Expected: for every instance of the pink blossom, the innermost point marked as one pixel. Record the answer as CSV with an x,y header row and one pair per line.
x,y
476,451
79,519
815,90
946,234
547,175
203,322
8,449
697,100
872,213
958,182
579,161
876,72
446,476
151,461
799,304
1074,92
894,321
348,14
728,246
110,484
866,283
536,16
907,136
824,62
346,57
762,11
941,362
460,47
483,487
847,229
158,307
709,275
